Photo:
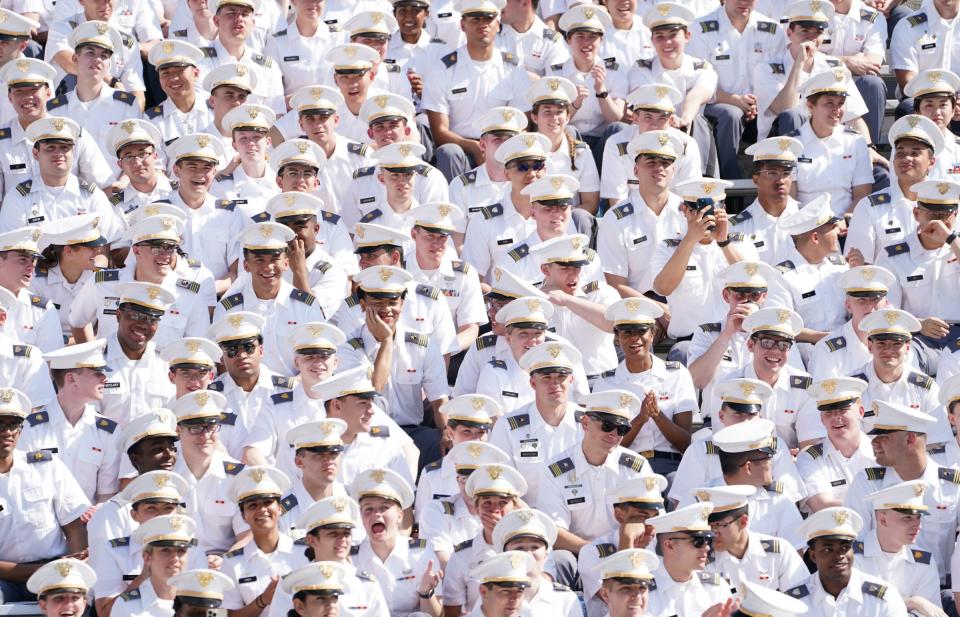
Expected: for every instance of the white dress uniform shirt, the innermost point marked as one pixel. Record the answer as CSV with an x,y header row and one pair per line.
x,y
33,203
299,500
879,220
189,33
628,45
473,190
853,601
573,492
99,115
362,597
595,345
675,393
269,88
339,11
139,20
768,561
437,481
587,560
208,502
464,89
502,379
520,262
459,588
618,182
734,54
249,193
34,320
348,156
911,570
174,124
537,48
554,599
938,532
687,598
134,387
97,301
827,472
833,164
88,448
488,240
627,233
928,278
141,602
119,560
862,29
838,354
693,73
924,40
485,348
763,231
129,199
368,195
51,284
589,119
251,569
243,407
448,522
210,232
384,447
125,64
301,58
38,496
111,520
947,164
459,284
533,444
815,289
23,365
586,167
945,455
400,575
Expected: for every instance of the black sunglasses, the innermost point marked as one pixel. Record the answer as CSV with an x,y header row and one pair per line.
x,y
607,426
232,351
697,541
525,166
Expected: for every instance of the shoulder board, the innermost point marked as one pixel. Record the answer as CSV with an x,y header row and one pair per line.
x,y
561,467
365,576
417,543
448,507
193,263
921,380
41,271
282,397
777,68
937,448
858,548
127,39
868,15
786,266
921,556
519,252
874,589
710,447
36,300
59,101
671,365
500,364
106,424
877,473
188,285
289,502
303,296
468,178
815,451
776,487
435,465
645,64
216,386
379,431
118,542
365,171
672,242
711,25
769,27
231,301
5,133
262,60
232,468
518,421
699,65
450,59
836,343
949,475
880,198
711,579
493,211
280,33
22,351
800,381
38,417
487,340
428,291
226,204
330,217
209,52
835,62
256,217
281,381
153,112
463,545
551,35
371,216
897,249
86,186
622,148
133,594
590,287
561,587
234,553
711,327
24,187
916,20
800,591
623,211
556,67
460,266
356,342
837,260
770,546
355,549
39,456
416,338
262,217
393,68
611,63
606,549
632,461
862,377
355,148
736,219
123,97
116,198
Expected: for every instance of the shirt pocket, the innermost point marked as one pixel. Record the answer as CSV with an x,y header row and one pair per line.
x,y
460,92
38,506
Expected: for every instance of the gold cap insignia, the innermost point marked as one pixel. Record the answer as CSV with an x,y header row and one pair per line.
x,y
919,489
784,144
35,234
58,123
477,403
705,513
241,70
556,183
404,149
202,399
378,475
554,84
783,315
625,400
290,198
891,317
943,187
632,306
63,568
257,475
350,51
575,243
829,386
204,578
167,47
663,139
102,28
636,560
650,482
176,523
153,293
497,273
867,274
192,346
507,115
494,471
6,396
747,389
663,10
168,223
588,13
525,516
235,320
703,496
516,561
381,101
303,146
385,274
444,210
840,516
160,480
203,141
528,140
474,450
554,350
661,92
326,571
253,112
913,121
266,231
708,188
751,268
128,126
339,504
839,74
533,305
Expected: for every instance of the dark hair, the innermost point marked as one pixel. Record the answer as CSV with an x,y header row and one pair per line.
x,y
919,99
247,252
730,462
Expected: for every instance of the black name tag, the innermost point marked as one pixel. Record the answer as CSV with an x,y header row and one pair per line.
x,y
892,230
367,200
510,394
723,57
809,294
129,577
929,46
458,91
112,384
689,268
804,159
36,219
291,58
915,277
18,166
640,239
758,244
247,579
838,483
504,241
576,500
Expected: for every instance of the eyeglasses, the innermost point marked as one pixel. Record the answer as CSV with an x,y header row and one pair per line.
x,y
165,248
746,295
232,351
137,158
608,426
201,429
193,374
776,174
759,459
696,541
138,317
770,343
525,166
721,526
11,427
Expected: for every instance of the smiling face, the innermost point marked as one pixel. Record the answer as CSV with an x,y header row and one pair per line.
x,y
54,157
411,19
767,353
636,343
625,599
315,367
261,514
135,329
522,340
888,353
912,160
65,604
155,258
164,561
584,46
178,82
899,526
356,411
654,172
551,119
329,544
29,101
670,43
387,309
388,131
826,111
266,270
195,176
843,423
154,453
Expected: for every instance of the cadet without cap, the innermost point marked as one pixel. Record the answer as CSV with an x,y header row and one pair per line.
x,y
756,600
159,486
889,323
266,238
438,217
658,97
836,392
191,352
655,144
772,320
382,483
933,82
692,518
888,417
524,523
145,297
53,129
369,235
257,482
813,215
386,107
562,250
323,578
556,188
754,435
201,587
475,410
95,33
834,523
586,18
199,405
400,157
15,403
160,423
202,146
632,313
743,394
551,357
645,492
297,151
472,454
320,435
906,497
496,481
236,326
64,575
631,565
352,382
776,149
232,74
502,120
134,131
330,513
507,569
523,146
173,52
316,98
866,281
249,117
937,195
27,72
175,530
667,15
919,128
82,355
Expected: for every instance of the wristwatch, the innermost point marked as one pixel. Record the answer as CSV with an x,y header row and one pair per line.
x,y
429,594
603,95
951,238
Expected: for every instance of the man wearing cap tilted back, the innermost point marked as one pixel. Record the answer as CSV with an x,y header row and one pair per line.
x,y
42,501
182,112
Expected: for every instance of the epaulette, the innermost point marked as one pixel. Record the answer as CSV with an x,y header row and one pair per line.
x,y
38,417
188,285
622,148
5,133
234,553
417,543
365,171
380,431
920,379
868,15
834,63
712,579
858,548
609,373
672,242
611,63
216,386
800,381
106,424
371,216
590,287
769,27
699,65
509,58
262,60
181,33
24,187
355,343
518,421
303,296
41,271
861,377
280,33
711,327
876,473
645,64
561,467
561,587
836,343
448,507
949,475
22,351
393,68
435,465
465,544
874,589
785,266
133,594
672,365
897,249
355,148
123,97
736,219
711,25
622,211
916,20
652,585
423,170
355,550
493,211
231,468
193,263
224,178
519,252
226,204
921,556
231,301
879,199
116,199
777,68
289,502
551,35
126,39
119,542
800,591
416,338
770,546
500,364
86,186
632,461
281,381
153,112
282,397
837,260
468,178
710,447
428,291
735,236
59,101
556,67
937,448
606,549
460,266
329,217
815,451
228,418
364,576
450,59
487,340
39,456
209,52
776,487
